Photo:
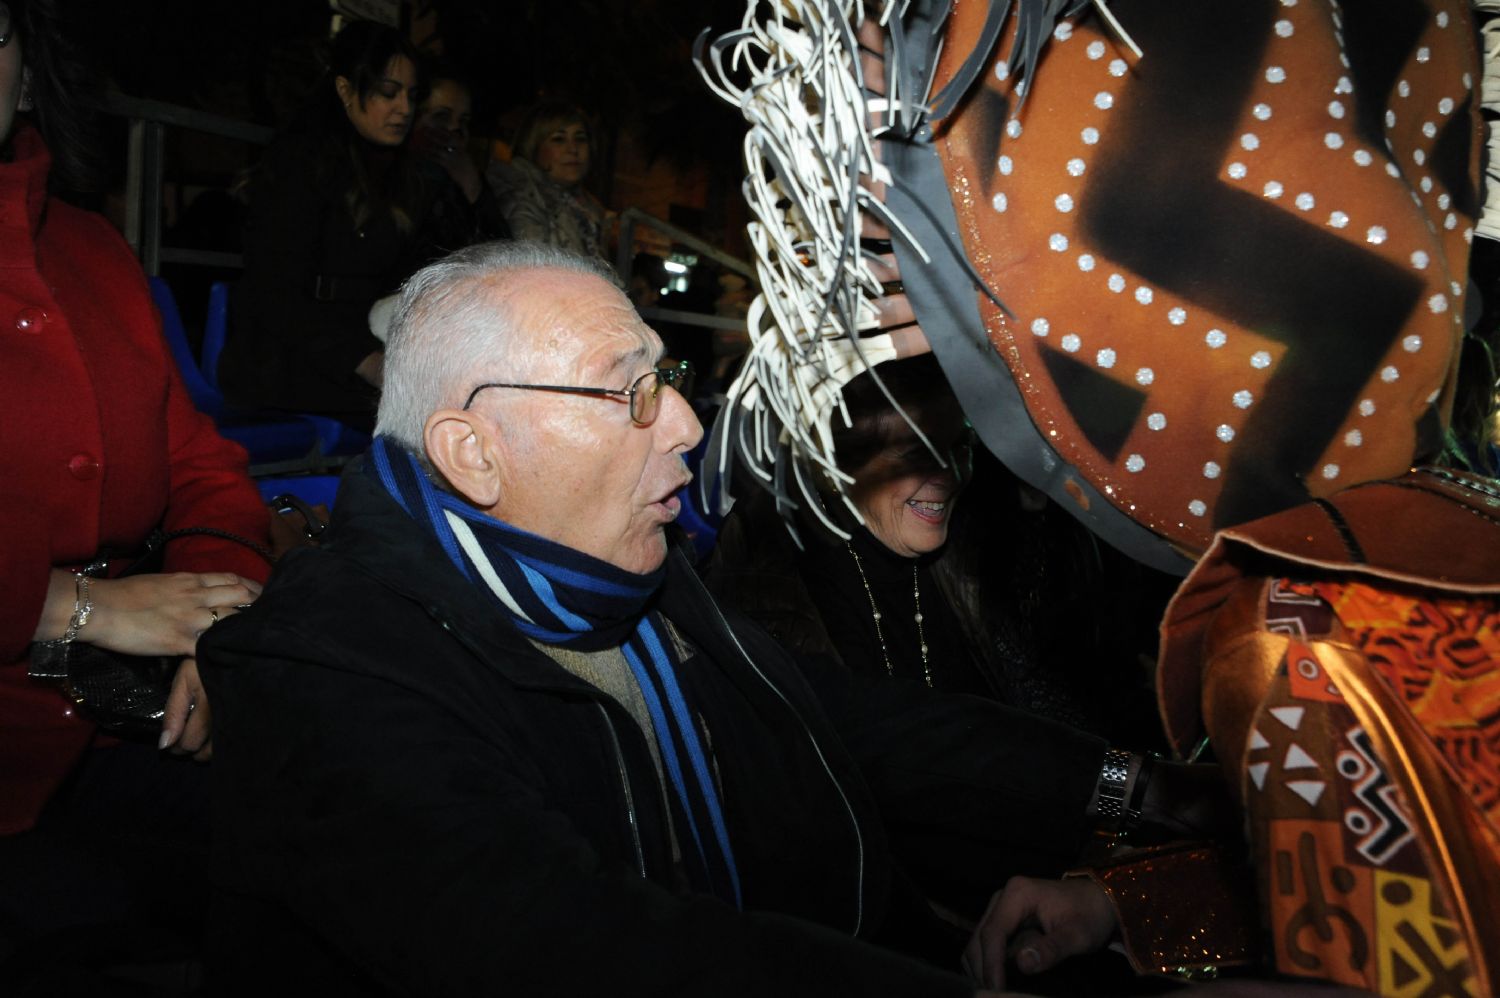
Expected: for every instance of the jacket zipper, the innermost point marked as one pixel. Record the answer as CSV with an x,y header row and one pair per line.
x,y
614,740
635,832
859,839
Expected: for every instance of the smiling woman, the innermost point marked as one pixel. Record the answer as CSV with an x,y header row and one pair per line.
x,y
875,599
540,189
960,577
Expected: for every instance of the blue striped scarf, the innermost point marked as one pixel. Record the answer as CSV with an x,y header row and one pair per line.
x,y
559,596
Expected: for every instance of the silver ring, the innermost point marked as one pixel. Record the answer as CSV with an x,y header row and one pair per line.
x,y
213,617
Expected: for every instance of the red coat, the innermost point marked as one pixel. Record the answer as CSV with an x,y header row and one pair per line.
x,y
99,444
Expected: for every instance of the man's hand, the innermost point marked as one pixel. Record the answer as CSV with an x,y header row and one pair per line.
x,y
1041,922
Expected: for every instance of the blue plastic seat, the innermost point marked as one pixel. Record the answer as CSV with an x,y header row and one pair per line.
x,y
702,527
268,438
335,438
215,330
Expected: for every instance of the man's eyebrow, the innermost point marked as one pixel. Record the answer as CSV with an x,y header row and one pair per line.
x,y
629,360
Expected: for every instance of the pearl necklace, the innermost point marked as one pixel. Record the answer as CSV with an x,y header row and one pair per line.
x,y
916,595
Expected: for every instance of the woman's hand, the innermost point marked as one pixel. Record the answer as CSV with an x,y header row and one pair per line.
x,y
162,614
896,315
372,368
186,727
449,150
1040,922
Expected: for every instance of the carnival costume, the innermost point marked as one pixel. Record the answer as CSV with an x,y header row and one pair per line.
x,y
1186,265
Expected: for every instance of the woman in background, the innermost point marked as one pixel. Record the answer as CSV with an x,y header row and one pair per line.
x,y
464,208
541,189
338,217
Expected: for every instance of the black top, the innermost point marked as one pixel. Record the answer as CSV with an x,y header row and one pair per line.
x,y
838,590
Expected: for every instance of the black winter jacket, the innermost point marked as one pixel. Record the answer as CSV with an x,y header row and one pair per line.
x,y
412,799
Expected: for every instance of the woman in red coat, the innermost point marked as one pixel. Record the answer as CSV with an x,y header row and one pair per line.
x,y
99,445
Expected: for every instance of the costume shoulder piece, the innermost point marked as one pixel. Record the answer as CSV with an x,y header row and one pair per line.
x,y
1432,529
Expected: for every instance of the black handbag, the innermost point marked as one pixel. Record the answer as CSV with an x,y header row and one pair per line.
x,y
126,695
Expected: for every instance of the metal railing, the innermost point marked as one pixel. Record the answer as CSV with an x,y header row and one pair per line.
x,y
624,259
149,121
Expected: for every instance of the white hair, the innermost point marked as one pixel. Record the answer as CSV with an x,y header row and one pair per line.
x,y
449,328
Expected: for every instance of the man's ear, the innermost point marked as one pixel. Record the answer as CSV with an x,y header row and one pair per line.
x,y
465,447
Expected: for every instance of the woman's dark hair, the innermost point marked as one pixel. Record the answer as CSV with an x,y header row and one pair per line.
x,y
61,88
362,50
542,119
438,68
382,179
873,423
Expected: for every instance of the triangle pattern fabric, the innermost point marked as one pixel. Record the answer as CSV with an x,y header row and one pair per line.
x,y
1258,740
1297,758
1258,774
1309,790
1290,716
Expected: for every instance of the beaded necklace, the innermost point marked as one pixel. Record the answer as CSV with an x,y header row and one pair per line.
x,y
916,595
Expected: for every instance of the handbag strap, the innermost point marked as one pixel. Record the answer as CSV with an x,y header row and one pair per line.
x,y
160,538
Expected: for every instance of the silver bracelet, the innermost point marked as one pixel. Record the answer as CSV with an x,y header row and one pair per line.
x,y
49,659
83,605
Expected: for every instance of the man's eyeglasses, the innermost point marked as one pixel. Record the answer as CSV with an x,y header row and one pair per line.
x,y
643,393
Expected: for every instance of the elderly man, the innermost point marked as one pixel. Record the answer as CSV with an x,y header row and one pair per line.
x,y
493,735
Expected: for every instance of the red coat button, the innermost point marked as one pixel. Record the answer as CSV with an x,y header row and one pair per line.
x,y
83,467
30,319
